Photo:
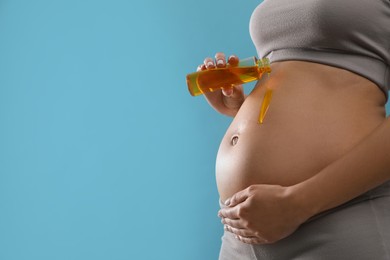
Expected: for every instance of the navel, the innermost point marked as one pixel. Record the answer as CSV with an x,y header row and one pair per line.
x,y
234,140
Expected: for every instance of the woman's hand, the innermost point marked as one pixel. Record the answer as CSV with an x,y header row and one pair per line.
x,y
263,214
228,101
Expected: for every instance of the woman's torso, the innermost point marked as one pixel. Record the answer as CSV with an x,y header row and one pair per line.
x,y
317,113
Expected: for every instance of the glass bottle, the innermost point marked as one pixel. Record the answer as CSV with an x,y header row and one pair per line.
x,y
247,70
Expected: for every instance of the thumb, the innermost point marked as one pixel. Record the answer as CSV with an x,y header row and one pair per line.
x,y
237,198
233,92
228,92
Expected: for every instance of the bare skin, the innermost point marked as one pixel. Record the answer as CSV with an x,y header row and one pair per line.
x,y
317,115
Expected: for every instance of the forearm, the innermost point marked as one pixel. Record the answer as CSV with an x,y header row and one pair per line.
x,y
364,167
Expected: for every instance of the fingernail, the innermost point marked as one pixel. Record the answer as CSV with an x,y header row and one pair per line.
x,y
210,64
219,62
219,214
228,92
227,202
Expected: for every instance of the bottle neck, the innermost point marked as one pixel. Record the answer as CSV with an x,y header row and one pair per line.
x,y
263,65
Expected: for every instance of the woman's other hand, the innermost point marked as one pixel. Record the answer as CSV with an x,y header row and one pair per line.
x,y
263,214
226,101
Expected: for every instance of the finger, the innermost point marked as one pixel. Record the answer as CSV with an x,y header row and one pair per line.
x,y
237,198
233,60
228,92
201,67
236,223
209,63
220,59
236,91
231,213
239,231
252,240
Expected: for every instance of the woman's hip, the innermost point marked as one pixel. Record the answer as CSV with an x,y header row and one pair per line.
x,y
358,229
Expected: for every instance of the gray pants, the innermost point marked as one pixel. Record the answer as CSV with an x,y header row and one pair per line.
x,y
356,230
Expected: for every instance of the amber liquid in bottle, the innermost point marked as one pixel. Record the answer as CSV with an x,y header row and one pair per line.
x,y
247,70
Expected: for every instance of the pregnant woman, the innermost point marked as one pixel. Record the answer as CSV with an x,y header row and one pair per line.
x,y
311,182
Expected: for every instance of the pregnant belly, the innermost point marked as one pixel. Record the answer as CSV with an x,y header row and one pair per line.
x,y
307,127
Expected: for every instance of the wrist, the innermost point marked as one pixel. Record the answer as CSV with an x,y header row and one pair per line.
x,y
302,200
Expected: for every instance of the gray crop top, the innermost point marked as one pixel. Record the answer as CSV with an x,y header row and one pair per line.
x,y
349,34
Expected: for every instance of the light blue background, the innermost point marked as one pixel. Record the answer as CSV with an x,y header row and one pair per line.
x,y
103,153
